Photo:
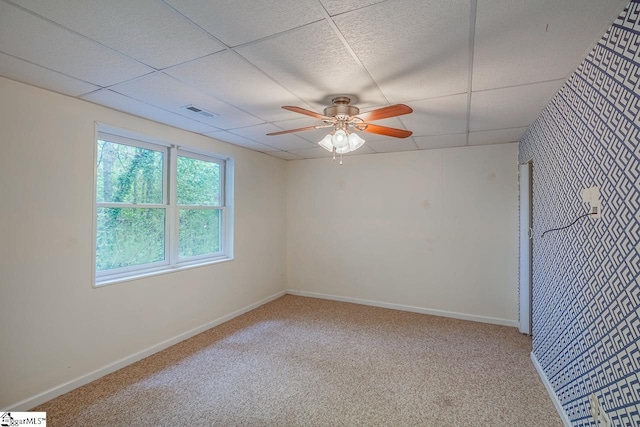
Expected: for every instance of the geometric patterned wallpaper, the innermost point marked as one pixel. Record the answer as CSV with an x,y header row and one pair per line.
x,y
586,279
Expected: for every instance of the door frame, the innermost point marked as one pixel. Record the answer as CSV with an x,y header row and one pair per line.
x,y
525,259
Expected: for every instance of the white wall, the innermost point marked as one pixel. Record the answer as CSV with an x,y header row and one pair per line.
x,y
54,327
432,229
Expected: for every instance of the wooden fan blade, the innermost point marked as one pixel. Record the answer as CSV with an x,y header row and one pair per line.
x,y
385,112
282,132
384,130
306,112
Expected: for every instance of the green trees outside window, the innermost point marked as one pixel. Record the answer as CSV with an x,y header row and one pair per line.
x,y
199,192
140,210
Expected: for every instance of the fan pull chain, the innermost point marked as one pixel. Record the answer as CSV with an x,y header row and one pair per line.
x,y
334,154
340,158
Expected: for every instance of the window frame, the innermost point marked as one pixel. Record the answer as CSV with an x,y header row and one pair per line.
x,y
171,262
181,152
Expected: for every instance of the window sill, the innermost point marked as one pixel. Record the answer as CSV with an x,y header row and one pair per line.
x,y
167,270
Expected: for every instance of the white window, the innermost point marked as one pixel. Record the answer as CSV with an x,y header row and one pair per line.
x,y
158,208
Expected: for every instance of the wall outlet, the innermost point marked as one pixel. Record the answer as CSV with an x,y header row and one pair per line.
x,y
598,413
592,197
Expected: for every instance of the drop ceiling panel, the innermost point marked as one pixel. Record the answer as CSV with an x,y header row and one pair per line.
x,y
241,141
28,37
235,22
510,107
147,30
335,7
441,141
526,41
120,102
168,93
496,136
389,145
228,76
438,116
288,52
365,149
282,142
312,63
26,72
414,49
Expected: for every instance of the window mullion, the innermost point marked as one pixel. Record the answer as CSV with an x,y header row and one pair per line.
x,y
174,215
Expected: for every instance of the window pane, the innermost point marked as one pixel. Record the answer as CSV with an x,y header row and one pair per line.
x,y
199,232
128,174
129,236
198,182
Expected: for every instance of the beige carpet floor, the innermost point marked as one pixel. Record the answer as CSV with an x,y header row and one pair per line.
x,y
309,362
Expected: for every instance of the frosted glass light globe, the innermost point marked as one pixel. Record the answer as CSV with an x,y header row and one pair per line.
x,y
340,139
326,143
355,141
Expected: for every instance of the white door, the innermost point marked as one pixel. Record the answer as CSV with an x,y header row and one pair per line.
x,y
526,245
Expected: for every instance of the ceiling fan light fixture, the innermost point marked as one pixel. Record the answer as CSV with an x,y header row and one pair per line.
x,y
340,140
355,141
326,143
342,117
343,150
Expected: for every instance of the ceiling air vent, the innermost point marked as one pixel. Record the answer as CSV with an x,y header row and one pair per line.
x,y
199,111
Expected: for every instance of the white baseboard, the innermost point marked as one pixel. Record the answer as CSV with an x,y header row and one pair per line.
x,y
551,391
31,402
413,309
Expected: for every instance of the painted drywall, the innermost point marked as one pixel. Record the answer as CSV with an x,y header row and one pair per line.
x,y
433,229
54,327
586,286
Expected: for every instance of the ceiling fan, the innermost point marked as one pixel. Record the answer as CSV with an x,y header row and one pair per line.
x,y
344,119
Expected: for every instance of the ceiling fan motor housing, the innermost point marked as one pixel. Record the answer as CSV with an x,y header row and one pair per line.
x,y
341,107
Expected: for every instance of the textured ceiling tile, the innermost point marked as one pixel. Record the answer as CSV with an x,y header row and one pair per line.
x,y
438,116
415,49
389,145
26,72
510,107
441,141
496,136
526,41
284,155
236,22
282,142
168,93
365,149
33,39
313,64
240,141
335,7
147,30
119,102
229,77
